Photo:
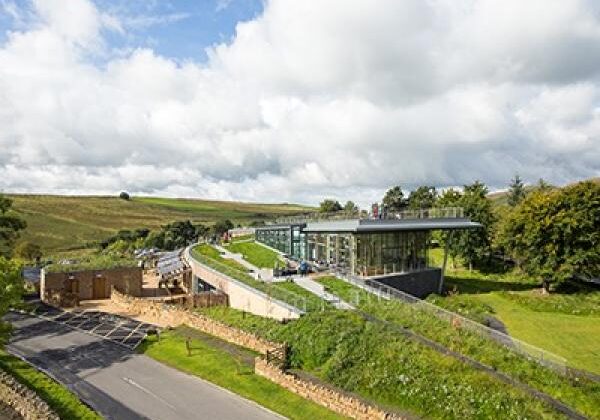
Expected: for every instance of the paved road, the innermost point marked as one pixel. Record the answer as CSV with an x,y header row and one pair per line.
x,y
119,383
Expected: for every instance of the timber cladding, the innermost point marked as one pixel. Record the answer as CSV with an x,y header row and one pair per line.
x,y
66,289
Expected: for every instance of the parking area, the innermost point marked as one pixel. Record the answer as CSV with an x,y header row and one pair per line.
x,y
121,330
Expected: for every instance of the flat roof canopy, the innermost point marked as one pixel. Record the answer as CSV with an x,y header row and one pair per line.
x,y
381,225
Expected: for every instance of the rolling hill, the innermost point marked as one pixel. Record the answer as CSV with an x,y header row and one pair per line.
x,y
68,223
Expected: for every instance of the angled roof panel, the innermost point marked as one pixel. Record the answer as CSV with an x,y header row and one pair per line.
x,y
380,225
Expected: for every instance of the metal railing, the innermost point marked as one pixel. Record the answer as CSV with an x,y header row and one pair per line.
x,y
430,213
270,289
531,352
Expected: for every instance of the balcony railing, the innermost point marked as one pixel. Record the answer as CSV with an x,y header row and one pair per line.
x,y
430,213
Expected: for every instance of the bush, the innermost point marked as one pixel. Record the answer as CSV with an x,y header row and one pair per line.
x,y
124,195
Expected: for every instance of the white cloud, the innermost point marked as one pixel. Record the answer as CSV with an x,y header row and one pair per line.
x,y
308,100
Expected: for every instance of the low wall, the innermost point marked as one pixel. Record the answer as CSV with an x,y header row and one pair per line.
x,y
21,400
418,283
174,316
327,397
242,296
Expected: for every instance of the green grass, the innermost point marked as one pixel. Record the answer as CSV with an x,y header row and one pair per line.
x,y
565,322
63,223
256,254
379,364
59,398
574,337
582,303
286,291
211,363
583,396
93,262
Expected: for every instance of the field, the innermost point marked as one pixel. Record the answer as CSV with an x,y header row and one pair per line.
x,y
567,324
64,223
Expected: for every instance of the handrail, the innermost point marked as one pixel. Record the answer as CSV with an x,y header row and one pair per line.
x,y
428,213
294,297
541,356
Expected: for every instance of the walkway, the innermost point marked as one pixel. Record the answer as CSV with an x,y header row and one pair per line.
x,y
318,289
265,274
119,383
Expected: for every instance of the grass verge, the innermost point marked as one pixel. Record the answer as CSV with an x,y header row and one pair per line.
x,y
66,404
213,364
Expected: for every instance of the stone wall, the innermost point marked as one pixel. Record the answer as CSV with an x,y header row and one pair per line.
x,y
334,400
199,300
22,401
174,316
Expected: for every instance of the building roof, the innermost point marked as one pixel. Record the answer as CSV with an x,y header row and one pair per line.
x,y
379,225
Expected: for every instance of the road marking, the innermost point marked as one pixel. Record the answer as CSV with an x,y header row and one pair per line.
x,y
141,388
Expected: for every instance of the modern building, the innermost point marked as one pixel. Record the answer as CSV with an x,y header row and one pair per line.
x,y
393,251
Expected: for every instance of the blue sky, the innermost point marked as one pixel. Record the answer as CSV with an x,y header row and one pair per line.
x,y
178,29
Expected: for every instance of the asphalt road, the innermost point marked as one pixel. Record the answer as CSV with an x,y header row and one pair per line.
x,y
119,383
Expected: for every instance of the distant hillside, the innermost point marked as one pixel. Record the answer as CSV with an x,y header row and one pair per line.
x,y
501,197
61,223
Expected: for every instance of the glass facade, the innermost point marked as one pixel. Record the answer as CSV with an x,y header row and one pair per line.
x,y
360,254
289,239
390,252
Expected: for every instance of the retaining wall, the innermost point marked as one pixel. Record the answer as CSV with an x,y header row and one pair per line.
x,y
242,296
174,316
327,397
22,401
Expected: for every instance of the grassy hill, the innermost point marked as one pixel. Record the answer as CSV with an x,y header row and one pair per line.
x,y
65,223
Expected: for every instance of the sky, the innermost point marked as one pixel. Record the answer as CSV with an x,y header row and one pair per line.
x,y
295,101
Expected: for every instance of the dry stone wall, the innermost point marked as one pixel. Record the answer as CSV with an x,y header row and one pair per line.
x,y
21,402
327,397
174,316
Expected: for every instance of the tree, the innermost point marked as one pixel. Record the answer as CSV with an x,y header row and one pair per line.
x,y
555,234
11,284
124,195
350,207
393,200
474,245
449,198
329,206
28,251
543,185
222,226
10,226
516,192
422,198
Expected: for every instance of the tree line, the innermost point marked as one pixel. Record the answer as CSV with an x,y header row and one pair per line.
x,y
552,234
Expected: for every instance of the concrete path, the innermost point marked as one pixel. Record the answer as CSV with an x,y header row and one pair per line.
x,y
319,290
265,273
118,383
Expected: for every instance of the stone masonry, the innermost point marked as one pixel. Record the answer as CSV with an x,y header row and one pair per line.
x,y
21,401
